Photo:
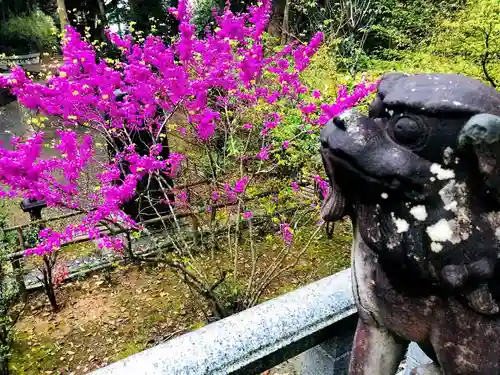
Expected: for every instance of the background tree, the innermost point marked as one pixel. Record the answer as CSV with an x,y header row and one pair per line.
x,y
473,36
63,14
152,17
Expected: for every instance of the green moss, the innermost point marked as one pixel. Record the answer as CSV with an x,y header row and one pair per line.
x,y
198,325
152,320
329,255
128,349
80,250
30,357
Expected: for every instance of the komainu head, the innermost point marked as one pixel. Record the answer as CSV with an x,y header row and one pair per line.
x,y
420,177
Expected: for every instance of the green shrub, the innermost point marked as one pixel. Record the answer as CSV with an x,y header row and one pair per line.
x,y
471,39
370,27
461,44
26,34
202,15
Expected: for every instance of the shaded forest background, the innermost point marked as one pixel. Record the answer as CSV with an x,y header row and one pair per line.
x,y
362,35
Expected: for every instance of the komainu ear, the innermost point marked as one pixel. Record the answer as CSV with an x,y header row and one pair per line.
x,y
335,204
482,133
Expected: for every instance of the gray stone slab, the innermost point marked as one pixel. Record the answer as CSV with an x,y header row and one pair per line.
x,y
414,358
331,356
253,340
308,331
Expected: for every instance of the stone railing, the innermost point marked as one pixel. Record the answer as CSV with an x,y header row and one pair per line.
x,y
30,59
314,325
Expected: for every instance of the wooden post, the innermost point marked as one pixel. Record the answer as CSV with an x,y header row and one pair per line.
x,y
17,264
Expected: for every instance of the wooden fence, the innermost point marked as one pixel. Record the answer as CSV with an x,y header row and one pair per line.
x,y
16,258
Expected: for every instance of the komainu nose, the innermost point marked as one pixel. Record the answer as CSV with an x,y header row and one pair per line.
x,y
339,122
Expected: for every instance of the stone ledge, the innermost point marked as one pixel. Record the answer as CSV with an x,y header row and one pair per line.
x,y
314,325
254,340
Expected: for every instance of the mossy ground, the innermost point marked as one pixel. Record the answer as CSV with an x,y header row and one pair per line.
x,y
100,323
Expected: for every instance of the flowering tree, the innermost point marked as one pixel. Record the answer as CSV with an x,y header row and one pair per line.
x,y
235,114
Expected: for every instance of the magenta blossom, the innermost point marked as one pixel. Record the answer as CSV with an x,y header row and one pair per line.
x,y
323,185
264,153
240,185
286,233
200,79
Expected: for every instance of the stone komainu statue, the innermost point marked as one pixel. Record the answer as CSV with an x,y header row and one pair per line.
x,y
420,178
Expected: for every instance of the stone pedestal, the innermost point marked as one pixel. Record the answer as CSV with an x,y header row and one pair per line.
x,y
332,357
415,357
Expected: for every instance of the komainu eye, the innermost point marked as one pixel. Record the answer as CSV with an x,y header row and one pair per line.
x,y
409,131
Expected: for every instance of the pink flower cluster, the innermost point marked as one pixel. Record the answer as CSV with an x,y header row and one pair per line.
x,y
286,233
140,92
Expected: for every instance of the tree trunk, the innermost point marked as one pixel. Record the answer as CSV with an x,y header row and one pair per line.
x,y
103,20
52,297
102,10
48,283
63,15
4,365
285,28
276,21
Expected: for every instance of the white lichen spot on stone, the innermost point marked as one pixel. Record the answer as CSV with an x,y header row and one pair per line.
x,y
440,231
448,151
441,173
401,224
436,247
455,198
352,128
452,206
419,212
384,195
493,218
452,193
393,242
460,226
